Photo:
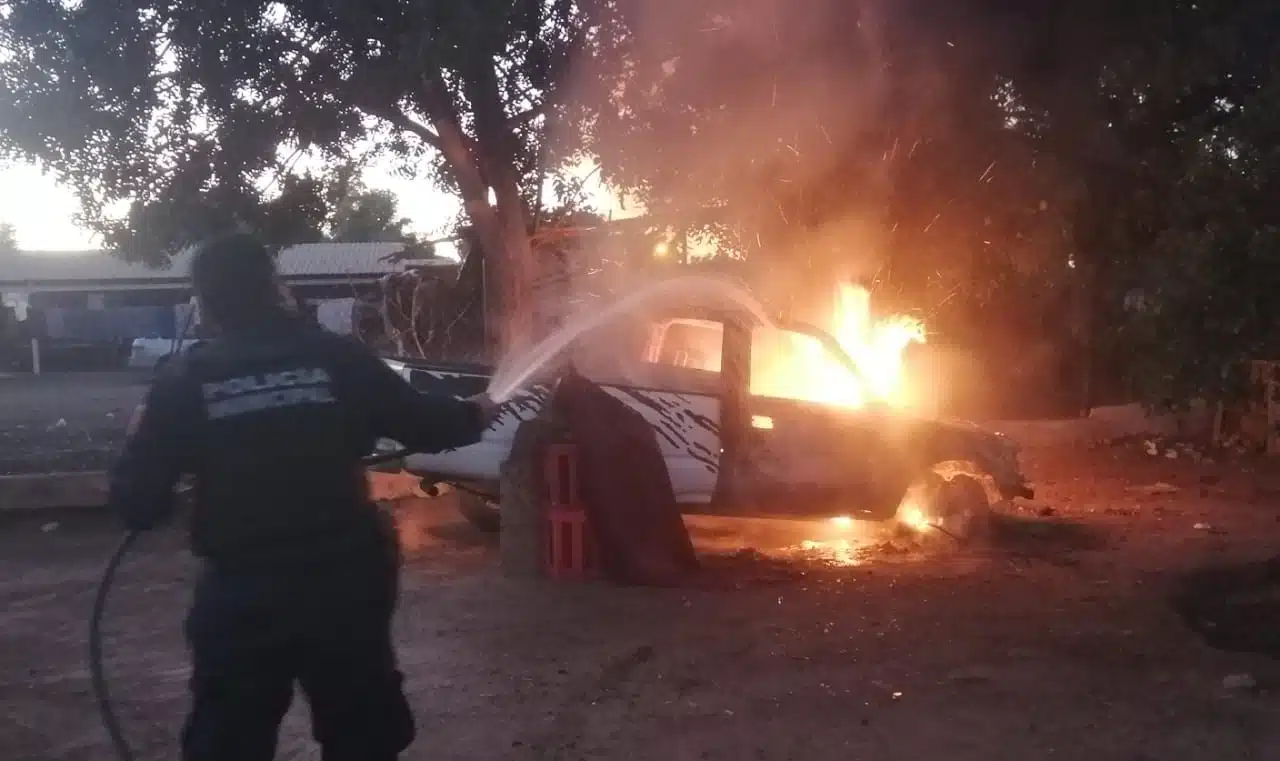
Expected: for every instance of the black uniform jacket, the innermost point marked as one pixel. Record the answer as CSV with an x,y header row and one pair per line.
x,y
272,428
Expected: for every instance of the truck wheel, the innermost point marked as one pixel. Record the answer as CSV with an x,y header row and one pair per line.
x,y
963,510
479,512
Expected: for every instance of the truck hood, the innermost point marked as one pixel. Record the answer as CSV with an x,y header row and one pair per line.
x,y
932,441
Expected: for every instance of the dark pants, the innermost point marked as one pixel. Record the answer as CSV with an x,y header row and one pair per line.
x,y
253,634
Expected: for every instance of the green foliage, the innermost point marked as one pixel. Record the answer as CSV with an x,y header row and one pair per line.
x,y
372,215
1184,213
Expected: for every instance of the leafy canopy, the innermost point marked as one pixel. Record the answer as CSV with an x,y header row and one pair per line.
x,y
170,119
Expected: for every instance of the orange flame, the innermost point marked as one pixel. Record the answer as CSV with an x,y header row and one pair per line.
x,y
797,366
805,370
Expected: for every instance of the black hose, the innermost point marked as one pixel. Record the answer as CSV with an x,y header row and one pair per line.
x,y
96,670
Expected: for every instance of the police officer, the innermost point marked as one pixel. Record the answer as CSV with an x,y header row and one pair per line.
x,y
271,419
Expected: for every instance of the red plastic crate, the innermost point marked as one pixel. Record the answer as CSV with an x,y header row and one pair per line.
x,y
571,548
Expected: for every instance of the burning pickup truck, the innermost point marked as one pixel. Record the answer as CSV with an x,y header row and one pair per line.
x,y
765,421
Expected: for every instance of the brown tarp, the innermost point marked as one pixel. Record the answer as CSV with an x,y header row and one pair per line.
x,y
624,484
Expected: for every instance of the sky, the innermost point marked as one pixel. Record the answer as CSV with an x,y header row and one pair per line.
x,y
40,211
43,213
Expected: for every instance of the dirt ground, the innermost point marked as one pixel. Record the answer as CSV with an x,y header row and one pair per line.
x,y
1055,643
64,421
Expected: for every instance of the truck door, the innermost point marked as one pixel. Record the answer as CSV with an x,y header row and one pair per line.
x,y
675,384
809,448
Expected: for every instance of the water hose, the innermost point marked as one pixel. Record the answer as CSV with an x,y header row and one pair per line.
x,y
97,671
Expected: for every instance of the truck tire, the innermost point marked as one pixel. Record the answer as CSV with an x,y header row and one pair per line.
x,y
479,512
964,511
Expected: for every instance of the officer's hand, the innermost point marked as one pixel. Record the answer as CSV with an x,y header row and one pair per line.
x,y
488,408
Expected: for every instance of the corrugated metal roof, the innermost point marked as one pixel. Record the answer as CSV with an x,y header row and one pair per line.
x,y
307,259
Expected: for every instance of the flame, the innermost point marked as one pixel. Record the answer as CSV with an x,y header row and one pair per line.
x,y
877,348
846,542
838,552
843,546
802,368
913,517
798,366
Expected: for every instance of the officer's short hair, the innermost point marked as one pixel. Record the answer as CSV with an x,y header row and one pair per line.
x,y
234,277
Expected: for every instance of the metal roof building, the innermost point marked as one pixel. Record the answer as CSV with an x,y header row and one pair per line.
x,y
311,263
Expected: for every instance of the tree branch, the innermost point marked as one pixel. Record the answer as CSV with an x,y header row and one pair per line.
x,y
397,118
525,117
459,150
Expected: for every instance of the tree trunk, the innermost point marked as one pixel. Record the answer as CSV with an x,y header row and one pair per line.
x,y
511,271
501,230
512,253
508,274
484,164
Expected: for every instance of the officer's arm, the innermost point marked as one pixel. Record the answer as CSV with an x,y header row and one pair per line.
x,y
156,454
421,422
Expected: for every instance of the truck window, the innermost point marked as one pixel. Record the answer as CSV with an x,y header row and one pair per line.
x,y
673,354
694,345
789,364
685,355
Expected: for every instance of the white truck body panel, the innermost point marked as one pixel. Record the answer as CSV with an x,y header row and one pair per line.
x,y
687,428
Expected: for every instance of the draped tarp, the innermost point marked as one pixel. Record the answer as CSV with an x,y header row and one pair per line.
x,y
625,486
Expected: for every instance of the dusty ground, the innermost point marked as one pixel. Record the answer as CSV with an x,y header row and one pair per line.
x,y
1055,644
64,421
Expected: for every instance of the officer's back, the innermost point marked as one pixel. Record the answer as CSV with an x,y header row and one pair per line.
x,y
285,425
